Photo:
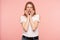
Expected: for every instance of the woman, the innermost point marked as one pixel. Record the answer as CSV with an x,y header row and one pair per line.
x,y
29,22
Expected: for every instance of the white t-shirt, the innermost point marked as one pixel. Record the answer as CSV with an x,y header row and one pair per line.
x,y
30,32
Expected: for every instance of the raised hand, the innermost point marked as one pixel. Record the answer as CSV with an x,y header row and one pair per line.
x,y
26,12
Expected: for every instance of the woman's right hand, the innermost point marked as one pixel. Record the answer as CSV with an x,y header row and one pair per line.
x,y
26,13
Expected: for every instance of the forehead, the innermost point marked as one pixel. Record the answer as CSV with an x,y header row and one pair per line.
x,y
29,5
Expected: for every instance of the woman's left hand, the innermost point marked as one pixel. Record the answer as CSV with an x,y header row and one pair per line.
x,y
30,16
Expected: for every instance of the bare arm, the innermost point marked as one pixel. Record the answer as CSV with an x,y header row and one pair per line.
x,y
33,24
25,25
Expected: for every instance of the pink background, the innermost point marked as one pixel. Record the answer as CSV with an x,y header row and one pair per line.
x,y
49,11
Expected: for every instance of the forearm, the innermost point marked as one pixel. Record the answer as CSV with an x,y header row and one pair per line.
x,y
25,27
34,26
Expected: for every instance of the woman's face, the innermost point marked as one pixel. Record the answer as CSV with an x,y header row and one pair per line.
x,y
29,9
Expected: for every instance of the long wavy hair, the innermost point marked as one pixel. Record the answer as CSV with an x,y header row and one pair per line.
x,y
32,6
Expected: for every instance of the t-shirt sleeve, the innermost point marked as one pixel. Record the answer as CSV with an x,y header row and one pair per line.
x,y
22,19
37,18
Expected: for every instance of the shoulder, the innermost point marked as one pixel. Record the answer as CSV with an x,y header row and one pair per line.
x,y
22,16
22,19
37,16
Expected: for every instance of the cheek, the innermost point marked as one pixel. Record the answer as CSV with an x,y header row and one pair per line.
x,y
27,8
